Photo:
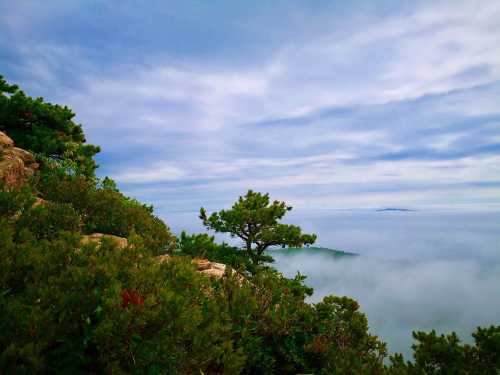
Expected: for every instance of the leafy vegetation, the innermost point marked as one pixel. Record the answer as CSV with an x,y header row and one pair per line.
x,y
445,354
204,246
255,220
76,308
104,209
69,308
45,129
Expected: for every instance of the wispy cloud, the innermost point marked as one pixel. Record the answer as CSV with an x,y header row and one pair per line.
x,y
343,104
400,297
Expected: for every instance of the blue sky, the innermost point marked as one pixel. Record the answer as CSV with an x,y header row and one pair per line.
x,y
323,104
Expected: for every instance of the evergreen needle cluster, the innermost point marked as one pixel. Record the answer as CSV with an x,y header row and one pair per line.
x,y
74,307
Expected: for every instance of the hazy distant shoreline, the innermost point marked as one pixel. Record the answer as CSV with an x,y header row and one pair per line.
x,y
390,209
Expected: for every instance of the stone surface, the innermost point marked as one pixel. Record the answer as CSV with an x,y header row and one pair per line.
x,y
210,268
16,164
27,157
203,266
216,269
5,141
39,202
163,258
121,242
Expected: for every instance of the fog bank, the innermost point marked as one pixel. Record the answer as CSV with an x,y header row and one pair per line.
x,y
416,270
401,296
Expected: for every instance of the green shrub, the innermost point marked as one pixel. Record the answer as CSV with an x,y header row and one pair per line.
x,y
14,202
48,220
204,246
56,185
45,129
104,209
446,354
108,310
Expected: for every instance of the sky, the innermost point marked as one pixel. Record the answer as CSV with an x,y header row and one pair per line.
x,y
324,104
400,297
333,106
415,271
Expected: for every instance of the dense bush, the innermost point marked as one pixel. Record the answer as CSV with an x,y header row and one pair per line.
x,y
48,220
203,245
69,308
46,129
104,209
77,309
108,310
256,221
446,354
14,202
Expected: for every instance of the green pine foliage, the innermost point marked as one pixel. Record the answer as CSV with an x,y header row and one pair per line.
x,y
256,221
45,129
49,220
446,354
103,209
203,245
71,308
14,203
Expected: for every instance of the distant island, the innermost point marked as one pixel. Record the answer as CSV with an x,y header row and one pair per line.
x,y
390,209
311,249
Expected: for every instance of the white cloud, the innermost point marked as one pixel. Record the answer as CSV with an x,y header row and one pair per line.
x,y
399,297
425,51
185,119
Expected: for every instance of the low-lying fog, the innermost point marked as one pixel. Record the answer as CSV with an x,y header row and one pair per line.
x,y
416,270
399,297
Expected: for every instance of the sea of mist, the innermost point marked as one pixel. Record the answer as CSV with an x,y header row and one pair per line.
x,y
417,270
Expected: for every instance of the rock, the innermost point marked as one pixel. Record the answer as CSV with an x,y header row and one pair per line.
x,y
27,157
5,141
210,268
39,202
16,164
121,242
216,269
163,258
12,172
203,266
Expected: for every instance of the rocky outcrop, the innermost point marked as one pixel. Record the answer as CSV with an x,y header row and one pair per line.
x,y
5,141
203,266
208,268
39,202
16,164
97,238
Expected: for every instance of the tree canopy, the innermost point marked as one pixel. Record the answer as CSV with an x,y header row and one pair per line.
x,y
45,129
255,220
76,307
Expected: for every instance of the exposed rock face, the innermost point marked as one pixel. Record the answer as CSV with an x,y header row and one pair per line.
x,y
203,266
163,258
210,268
5,141
39,202
16,164
121,242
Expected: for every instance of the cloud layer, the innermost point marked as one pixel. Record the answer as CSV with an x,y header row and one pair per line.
x,y
401,297
325,106
333,105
